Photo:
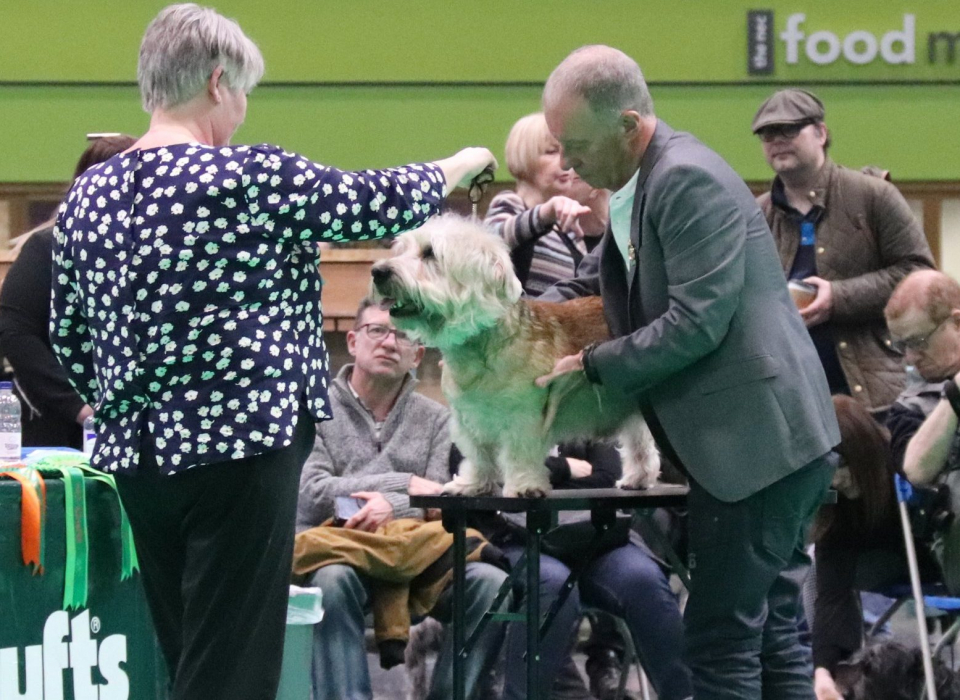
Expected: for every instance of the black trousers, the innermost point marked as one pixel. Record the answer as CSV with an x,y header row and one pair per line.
x,y
843,570
747,563
215,546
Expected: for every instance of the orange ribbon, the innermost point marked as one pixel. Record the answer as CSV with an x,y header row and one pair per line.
x,y
32,505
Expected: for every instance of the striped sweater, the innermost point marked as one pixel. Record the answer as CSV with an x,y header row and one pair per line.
x,y
551,259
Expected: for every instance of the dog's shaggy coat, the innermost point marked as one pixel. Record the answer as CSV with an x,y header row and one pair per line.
x,y
451,286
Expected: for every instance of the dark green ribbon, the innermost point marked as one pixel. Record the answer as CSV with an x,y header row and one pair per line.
x,y
74,471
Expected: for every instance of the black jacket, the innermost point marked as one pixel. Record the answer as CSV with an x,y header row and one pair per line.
x,y
50,404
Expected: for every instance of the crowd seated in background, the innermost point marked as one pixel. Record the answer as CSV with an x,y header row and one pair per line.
x,y
859,545
384,444
52,410
859,542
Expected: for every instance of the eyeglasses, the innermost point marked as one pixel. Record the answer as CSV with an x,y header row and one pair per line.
x,y
919,342
787,131
378,332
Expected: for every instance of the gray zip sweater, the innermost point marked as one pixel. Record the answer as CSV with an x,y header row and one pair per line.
x,y
348,456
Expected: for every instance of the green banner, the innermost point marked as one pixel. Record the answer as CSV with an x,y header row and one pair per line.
x,y
104,648
510,41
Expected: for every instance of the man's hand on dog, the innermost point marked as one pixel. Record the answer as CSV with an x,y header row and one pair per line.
x,y
565,365
375,513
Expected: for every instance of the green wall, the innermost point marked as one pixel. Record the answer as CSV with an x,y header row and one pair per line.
x,y
66,68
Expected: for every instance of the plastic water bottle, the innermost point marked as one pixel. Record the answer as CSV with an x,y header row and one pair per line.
x,y
10,437
89,436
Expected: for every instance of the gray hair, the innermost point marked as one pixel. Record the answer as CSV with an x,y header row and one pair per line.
x,y
182,47
606,78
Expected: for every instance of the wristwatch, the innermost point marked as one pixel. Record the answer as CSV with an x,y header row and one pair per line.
x,y
951,392
588,369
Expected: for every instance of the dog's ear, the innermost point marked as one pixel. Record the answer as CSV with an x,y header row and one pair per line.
x,y
847,675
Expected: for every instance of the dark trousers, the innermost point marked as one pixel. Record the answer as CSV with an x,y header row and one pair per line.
x,y
215,545
843,570
748,562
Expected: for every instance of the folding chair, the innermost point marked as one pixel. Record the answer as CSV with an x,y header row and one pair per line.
x,y
631,659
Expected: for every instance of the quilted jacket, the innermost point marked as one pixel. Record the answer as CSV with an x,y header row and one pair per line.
x,y
867,241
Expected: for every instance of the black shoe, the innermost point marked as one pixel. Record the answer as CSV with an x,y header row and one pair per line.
x,y
603,671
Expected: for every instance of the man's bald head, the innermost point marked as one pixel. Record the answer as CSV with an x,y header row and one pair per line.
x,y
930,291
606,78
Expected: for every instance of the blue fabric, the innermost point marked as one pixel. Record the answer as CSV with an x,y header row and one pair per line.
x,y
624,582
186,299
805,265
339,653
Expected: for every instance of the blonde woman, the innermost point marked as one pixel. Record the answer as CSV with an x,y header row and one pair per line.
x,y
552,218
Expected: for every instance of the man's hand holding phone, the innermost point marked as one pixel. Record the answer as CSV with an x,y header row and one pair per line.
x,y
375,512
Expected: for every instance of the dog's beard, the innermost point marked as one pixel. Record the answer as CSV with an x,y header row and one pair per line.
x,y
438,315
407,310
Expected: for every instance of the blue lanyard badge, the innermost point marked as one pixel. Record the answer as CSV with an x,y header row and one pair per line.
x,y
807,233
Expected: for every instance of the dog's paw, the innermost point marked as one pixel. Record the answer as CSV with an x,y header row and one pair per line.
x,y
639,483
462,487
526,490
532,492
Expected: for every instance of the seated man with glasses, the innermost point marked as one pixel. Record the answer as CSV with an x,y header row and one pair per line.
x,y
923,316
924,319
384,444
850,236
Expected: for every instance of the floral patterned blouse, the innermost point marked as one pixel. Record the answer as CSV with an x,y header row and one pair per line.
x,y
186,292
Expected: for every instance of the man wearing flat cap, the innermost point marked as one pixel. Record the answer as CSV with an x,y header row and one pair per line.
x,y
852,237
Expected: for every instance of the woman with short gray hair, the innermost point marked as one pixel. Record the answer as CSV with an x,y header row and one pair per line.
x,y
186,310
183,46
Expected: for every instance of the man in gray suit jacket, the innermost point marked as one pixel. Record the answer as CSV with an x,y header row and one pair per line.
x,y
708,340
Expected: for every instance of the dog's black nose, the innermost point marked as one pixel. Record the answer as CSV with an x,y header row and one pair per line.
x,y
381,273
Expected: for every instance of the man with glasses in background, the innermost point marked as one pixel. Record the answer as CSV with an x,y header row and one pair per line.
x,y
849,236
384,444
923,315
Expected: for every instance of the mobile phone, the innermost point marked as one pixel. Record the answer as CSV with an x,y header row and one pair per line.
x,y
346,507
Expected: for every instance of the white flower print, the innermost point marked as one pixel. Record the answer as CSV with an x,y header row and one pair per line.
x,y
192,302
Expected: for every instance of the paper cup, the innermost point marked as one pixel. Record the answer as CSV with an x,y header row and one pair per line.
x,y
801,293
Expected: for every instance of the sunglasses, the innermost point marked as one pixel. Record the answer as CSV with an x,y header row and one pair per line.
x,y
787,131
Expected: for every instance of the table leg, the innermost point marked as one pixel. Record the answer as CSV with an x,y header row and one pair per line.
x,y
537,524
603,520
455,522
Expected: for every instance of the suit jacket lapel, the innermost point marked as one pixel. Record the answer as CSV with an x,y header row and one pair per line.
x,y
614,284
655,148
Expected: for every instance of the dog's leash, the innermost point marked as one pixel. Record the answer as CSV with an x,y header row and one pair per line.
x,y
478,186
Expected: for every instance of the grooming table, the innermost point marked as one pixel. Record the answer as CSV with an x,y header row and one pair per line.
x,y
603,505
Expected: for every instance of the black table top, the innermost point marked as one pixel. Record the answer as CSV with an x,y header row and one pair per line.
x,y
660,495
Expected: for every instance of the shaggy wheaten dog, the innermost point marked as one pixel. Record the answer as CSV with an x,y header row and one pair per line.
x,y
451,286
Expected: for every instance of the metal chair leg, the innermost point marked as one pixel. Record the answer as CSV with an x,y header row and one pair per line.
x,y
948,637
